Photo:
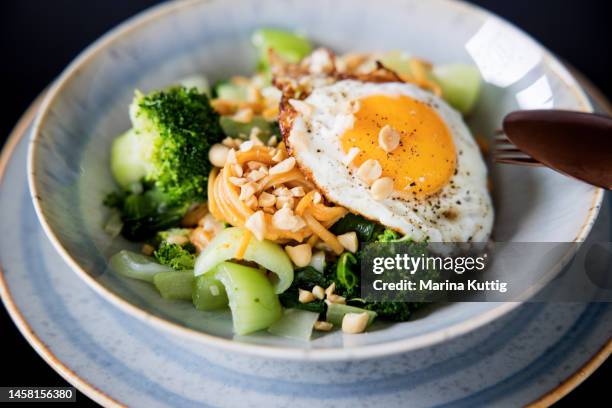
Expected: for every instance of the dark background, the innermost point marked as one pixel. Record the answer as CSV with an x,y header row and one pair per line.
x,y
38,38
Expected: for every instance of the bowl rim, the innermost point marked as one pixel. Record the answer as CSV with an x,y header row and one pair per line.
x,y
152,15
106,399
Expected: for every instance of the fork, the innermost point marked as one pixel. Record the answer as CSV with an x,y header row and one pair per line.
x,y
577,144
506,152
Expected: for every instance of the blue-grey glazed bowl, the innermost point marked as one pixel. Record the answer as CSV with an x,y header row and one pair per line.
x,y
87,106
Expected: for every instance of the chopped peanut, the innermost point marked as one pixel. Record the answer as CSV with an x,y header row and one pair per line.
x,y
252,202
256,223
247,190
298,191
285,202
237,169
217,155
336,299
229,142
388,138
273,141
238,181
284,219
354,323
282,191
266,199
256,175
323,326
255,165
369,171
246,146
319,292
284,166
330,289
300,255
382,188
305,296
279,156
254,136
349,241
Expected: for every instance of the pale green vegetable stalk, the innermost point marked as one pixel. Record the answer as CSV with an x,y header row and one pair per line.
x,y
252,300
209,293
291,47
177,285
127,163
460,85
265,253
295,324
136,266
397,61
336,312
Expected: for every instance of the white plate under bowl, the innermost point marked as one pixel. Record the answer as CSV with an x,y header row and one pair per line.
x,y
87,107
537,353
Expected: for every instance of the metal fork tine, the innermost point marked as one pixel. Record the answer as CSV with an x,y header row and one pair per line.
x,y
523,161
510,149
506,152
502,139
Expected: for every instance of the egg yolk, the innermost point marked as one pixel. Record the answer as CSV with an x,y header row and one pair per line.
x,y
425,158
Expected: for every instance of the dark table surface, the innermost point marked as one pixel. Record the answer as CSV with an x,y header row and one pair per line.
x,y
39,38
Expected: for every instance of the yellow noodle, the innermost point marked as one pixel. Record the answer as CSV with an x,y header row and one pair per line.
x,y
304,203
212,207
225,203
323,233
244,243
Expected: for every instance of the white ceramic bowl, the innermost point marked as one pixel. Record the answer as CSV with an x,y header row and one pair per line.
x,y
87,107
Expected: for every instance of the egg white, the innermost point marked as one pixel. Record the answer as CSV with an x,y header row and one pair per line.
x,y
460,212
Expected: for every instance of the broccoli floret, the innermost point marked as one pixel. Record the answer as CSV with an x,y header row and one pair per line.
x,y
182,126
172,131
146,213
388,236
166,150
393,311
175,256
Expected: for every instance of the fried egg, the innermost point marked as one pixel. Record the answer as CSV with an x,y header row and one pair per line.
x,y
435,177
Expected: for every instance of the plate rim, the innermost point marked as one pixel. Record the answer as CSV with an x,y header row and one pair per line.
x,y
17,134
285,353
